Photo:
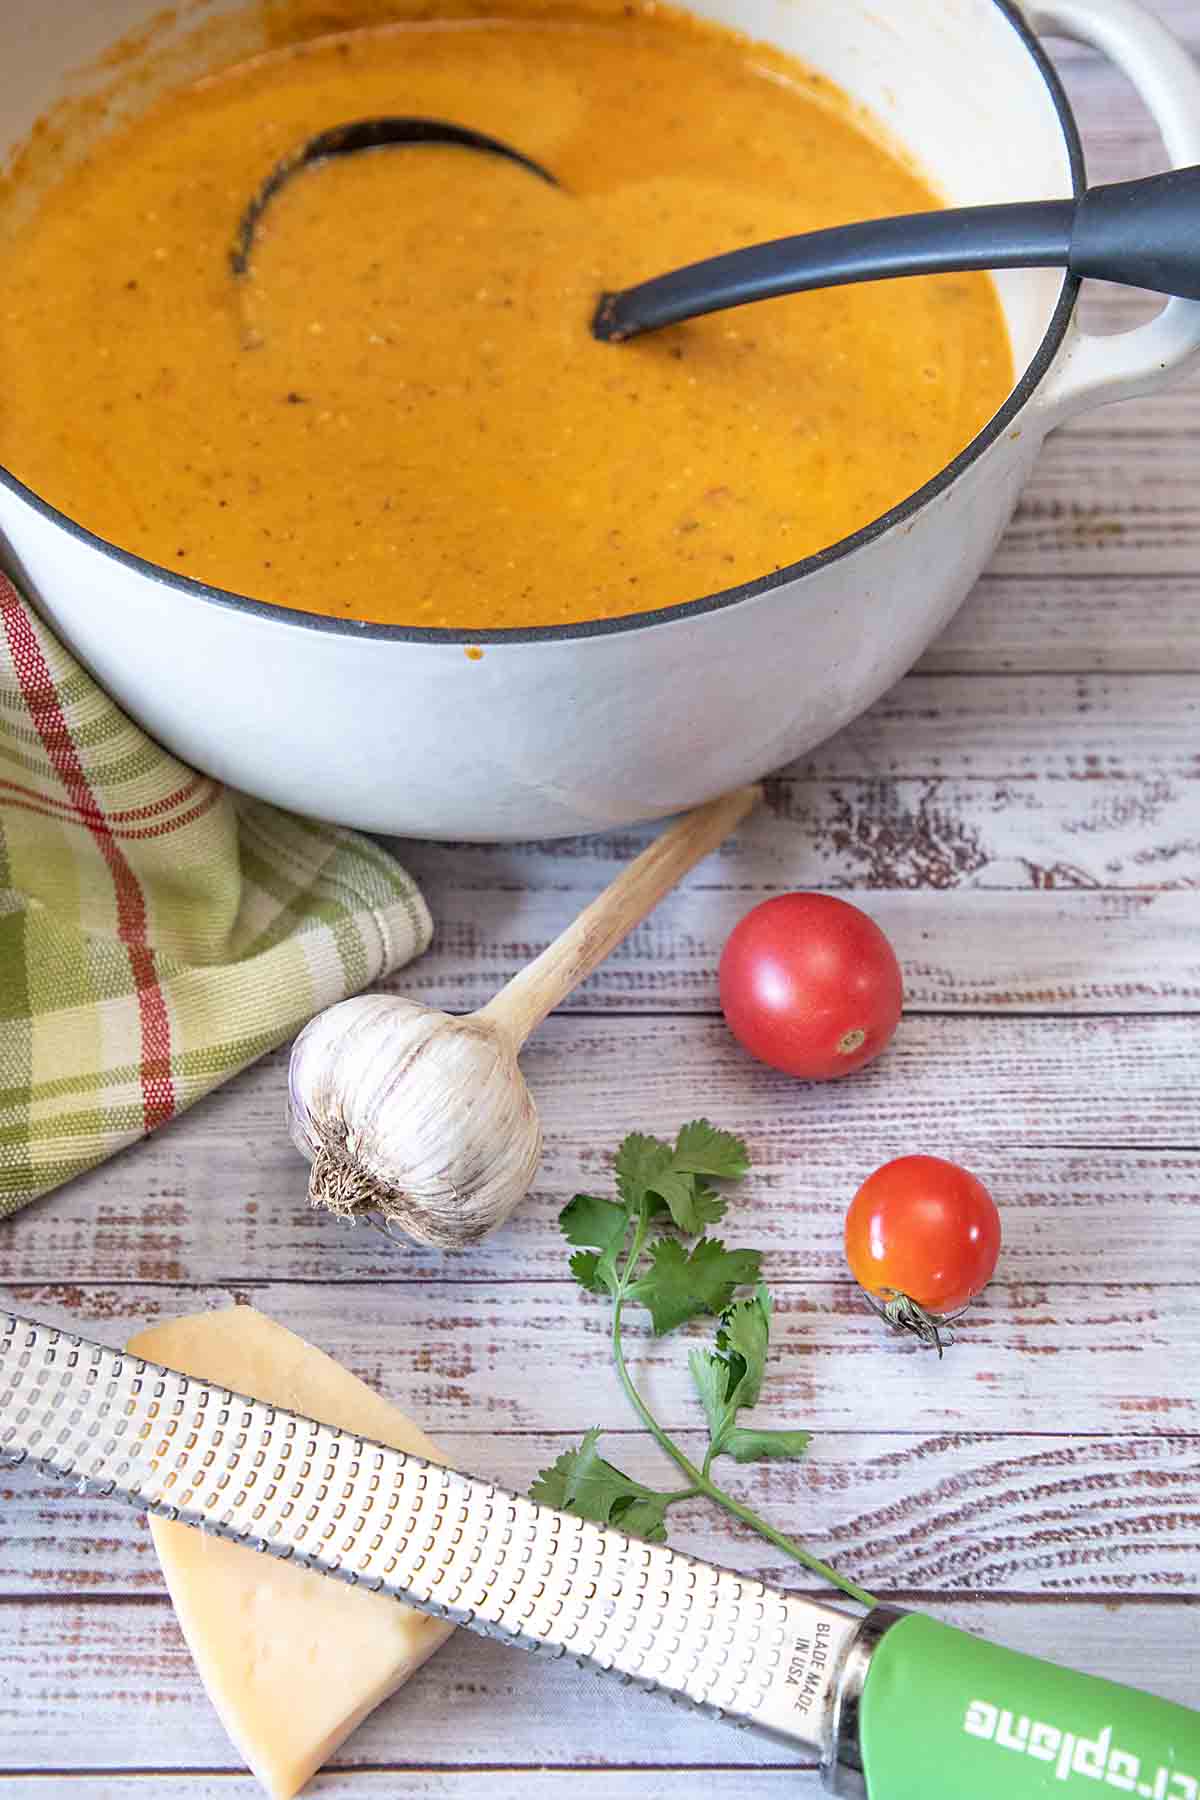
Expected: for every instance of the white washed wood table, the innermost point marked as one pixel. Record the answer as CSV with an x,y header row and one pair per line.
x,y
1022,815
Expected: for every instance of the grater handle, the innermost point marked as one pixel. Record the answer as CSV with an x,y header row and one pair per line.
x,y
999,1725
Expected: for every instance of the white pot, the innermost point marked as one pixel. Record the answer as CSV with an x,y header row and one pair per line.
x,y
575,729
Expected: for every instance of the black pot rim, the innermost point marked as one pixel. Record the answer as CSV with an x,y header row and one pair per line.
x,y
295,618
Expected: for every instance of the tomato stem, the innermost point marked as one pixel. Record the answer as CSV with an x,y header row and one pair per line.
x,y
903,1312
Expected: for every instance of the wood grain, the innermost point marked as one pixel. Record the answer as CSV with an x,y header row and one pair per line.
x,y
1057,621
205,1204
1049,950
1077,793
1080,794
1086,1130
87,1683
1020,1513
1029,1356
1088,511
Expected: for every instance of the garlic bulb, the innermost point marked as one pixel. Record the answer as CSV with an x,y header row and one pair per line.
x,y
419,1117
425,1119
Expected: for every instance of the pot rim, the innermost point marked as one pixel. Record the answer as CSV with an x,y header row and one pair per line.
x,y
298,619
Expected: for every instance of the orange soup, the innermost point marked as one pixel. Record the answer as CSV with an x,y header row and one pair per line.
x,y
399,412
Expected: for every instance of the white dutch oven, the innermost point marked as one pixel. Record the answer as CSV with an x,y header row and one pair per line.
x,y
574,729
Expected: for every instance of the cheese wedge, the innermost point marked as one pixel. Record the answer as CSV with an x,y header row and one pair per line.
x,y
292,1661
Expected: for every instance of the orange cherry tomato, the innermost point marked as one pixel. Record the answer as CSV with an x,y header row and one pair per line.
x,y
922,1238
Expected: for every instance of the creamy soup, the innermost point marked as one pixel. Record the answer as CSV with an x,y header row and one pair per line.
x,y
399,412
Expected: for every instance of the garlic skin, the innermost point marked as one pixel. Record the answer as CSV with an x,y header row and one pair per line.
x,y
412,1114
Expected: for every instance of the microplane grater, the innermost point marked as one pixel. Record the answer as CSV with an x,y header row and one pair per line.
x,y
810,1675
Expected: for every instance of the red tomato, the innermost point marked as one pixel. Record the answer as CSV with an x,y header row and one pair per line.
x,y
810,985
923,1230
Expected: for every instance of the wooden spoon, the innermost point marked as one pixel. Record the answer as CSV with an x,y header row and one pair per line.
x,y
423,1119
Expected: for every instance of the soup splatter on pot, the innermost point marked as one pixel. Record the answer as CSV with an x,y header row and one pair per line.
x,y
400,414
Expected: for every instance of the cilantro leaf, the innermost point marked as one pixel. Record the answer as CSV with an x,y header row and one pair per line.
x,y
612,1256
742,1340
652,1174
678,1285
679,1192
600,1226
645,1518
707,1205
700,1149
593,1222
745,1444
711,1376
593,1486
639,1160
585,1267
582,1482
730,1377
549,1487
691,1204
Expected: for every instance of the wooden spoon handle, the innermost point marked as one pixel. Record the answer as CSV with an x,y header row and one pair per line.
x,y
533,993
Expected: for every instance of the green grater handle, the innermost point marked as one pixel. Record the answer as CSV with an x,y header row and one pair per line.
x,y
945,1716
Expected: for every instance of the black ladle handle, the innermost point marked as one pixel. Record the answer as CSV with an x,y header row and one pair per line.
x,y
1144,234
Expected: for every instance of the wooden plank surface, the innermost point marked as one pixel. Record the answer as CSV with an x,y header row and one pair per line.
x,y
1010,1513
114,1676
1022,815
1057,620
1056,950
1027,812
220,1197
465,1356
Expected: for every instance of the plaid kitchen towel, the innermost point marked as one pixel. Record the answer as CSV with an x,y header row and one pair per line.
x,y
157,932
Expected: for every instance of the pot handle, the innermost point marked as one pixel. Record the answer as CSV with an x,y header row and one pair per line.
x,y
1093,370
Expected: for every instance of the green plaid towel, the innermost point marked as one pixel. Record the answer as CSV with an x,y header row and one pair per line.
x,y
157,932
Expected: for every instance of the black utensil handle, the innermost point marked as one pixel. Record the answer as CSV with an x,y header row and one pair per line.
x,y
1027,234
1143,233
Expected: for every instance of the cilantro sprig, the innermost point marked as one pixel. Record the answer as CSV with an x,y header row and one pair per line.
x,y
633,1250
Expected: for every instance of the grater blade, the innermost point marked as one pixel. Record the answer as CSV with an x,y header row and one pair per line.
x,y
448,1544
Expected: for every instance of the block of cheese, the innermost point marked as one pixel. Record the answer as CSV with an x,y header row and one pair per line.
x,y
292,1661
